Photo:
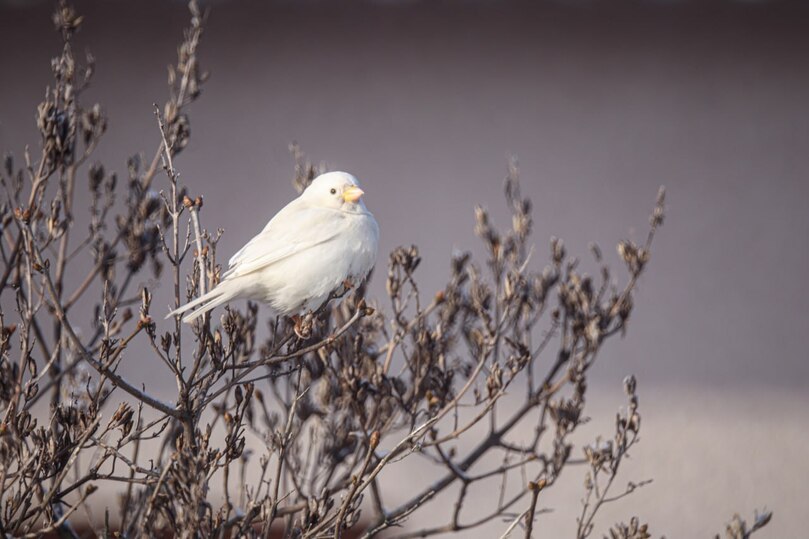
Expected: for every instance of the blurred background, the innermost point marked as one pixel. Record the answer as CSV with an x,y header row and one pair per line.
x,y
602,102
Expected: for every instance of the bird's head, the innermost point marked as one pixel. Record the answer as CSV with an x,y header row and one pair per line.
x,y
336,190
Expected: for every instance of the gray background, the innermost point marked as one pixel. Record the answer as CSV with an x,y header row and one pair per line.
x,y
602,102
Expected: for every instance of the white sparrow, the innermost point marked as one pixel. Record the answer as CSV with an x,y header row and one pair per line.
x,y
321,240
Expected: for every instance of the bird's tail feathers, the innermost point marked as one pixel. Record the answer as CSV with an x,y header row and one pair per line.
x,y
214,298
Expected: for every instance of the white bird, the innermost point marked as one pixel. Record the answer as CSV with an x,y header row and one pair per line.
x,y
321,240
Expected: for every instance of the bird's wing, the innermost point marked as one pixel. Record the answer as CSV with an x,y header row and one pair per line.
x,y
293,230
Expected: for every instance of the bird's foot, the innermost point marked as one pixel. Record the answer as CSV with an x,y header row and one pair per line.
x,y
303,325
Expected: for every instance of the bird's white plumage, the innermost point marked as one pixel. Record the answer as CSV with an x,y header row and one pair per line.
x,y
319,240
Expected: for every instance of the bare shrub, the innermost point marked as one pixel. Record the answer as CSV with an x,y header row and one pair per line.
x,y
332,411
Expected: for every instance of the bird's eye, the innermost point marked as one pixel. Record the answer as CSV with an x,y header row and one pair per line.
x,y
333,191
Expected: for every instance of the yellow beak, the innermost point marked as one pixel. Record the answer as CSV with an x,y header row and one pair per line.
x,y
352,193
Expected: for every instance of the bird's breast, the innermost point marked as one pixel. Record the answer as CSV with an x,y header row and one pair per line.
x,y
365,241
